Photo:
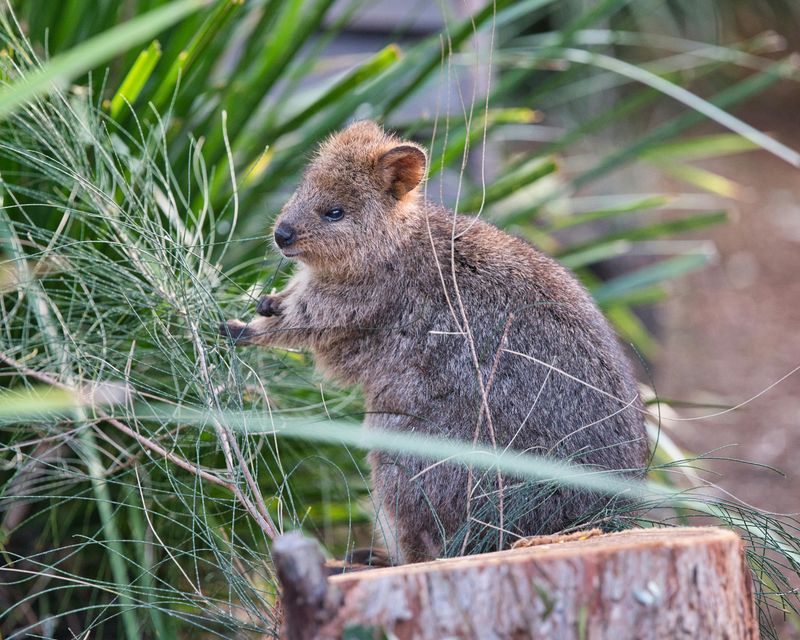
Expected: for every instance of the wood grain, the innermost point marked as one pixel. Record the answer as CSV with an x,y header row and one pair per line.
x,y
689,582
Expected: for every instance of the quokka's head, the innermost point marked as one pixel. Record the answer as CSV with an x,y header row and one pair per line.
x,y
354,200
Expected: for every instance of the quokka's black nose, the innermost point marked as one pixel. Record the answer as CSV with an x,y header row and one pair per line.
x,y
284,235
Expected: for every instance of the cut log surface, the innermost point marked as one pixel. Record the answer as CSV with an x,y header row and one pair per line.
x,y
690,582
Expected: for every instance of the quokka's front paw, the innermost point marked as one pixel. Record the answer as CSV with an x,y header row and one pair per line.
x,y
269,306
235,330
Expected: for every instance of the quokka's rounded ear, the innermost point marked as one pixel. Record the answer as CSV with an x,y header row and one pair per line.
x,y
402,168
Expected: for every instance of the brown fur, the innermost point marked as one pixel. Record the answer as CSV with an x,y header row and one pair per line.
x,y
405,298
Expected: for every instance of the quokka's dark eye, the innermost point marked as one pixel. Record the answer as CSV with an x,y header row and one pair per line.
x,y
332,215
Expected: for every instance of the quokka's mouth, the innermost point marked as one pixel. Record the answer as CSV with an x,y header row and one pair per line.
x,y
290,252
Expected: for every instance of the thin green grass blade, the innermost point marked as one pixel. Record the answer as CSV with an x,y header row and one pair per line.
x,y
55,346
136,509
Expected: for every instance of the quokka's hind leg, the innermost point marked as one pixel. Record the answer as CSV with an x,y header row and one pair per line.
x,y
417,536
413,516
384,550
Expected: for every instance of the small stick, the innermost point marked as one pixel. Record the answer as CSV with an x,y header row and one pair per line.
x,y
309,600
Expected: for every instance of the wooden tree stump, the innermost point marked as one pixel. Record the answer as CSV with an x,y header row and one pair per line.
x,y
690,582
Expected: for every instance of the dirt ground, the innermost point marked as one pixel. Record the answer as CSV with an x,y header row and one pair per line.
x,y
733,330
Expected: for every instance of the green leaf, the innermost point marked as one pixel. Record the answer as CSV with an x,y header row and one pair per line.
x,y
613,291
647,295
508,185
657,230
626,108
700,148
631,329
651,202
692,100
29,404
702,178
425,59
371,68
361,632
728,97
210,28
136,78
458,138
83,57
297,20
591,254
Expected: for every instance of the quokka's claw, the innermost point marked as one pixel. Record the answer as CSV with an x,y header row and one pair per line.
x,y
235,330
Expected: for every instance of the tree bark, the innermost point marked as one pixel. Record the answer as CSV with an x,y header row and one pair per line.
x,y
690,582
